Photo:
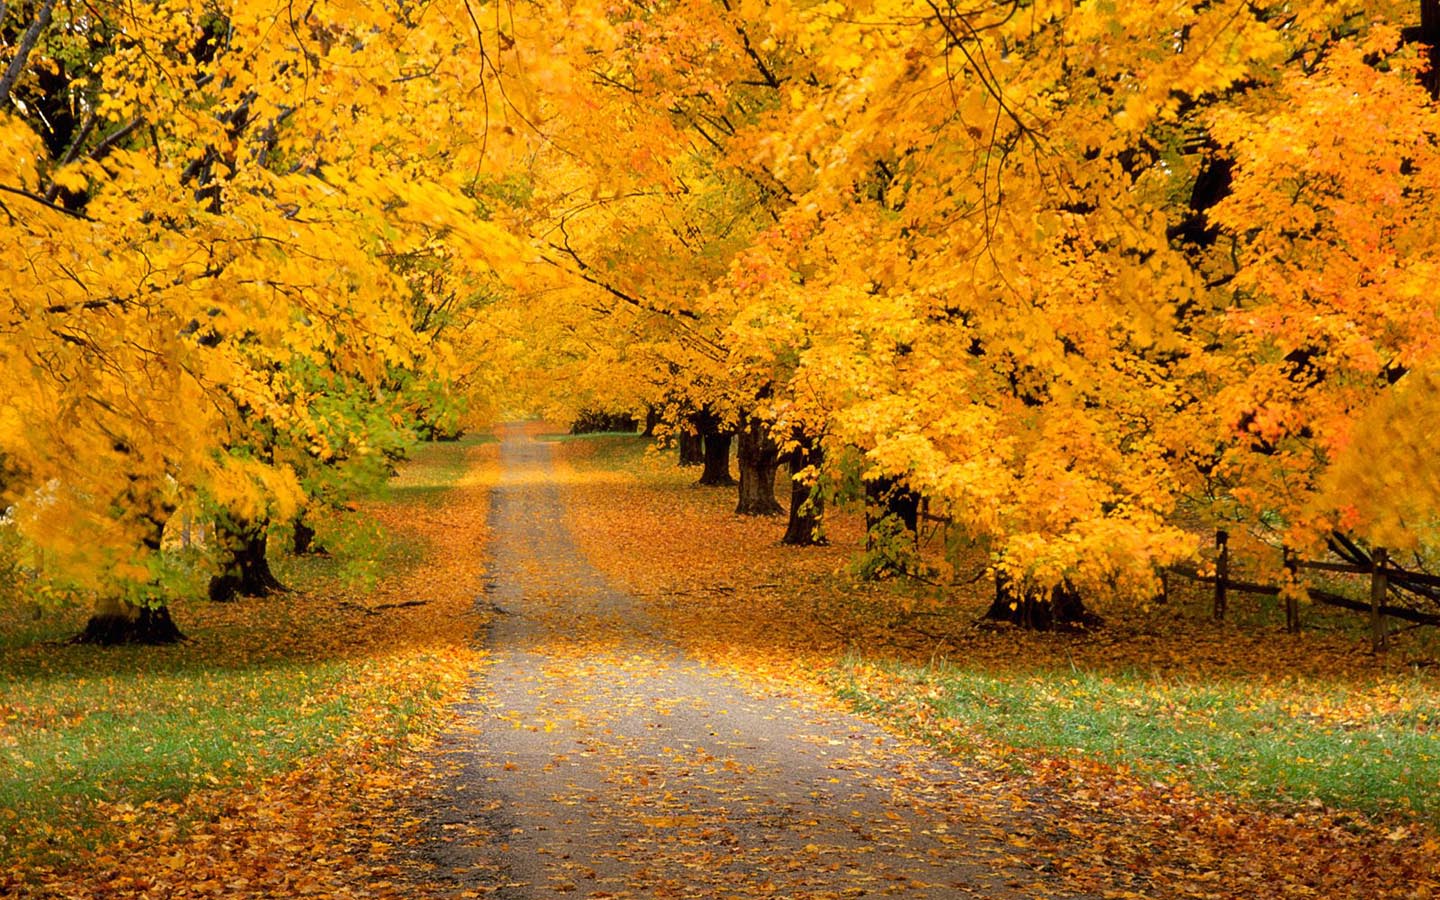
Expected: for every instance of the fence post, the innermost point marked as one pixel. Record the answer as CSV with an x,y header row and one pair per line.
x,y
1222,572
1292,604
1378,586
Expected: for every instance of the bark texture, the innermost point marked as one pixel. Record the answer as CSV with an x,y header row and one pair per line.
x,y
807,506
245,564
758,458
1059,609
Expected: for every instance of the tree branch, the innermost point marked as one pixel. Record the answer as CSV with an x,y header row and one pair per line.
x,y
22,53
769,77
36,198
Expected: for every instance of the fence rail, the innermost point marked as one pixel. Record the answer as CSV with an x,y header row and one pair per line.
x,y
1384,579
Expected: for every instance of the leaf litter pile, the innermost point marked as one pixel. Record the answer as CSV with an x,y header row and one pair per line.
x,y
726,591
385,663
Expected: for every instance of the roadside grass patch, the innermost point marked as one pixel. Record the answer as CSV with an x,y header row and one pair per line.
x,y
608,450
430,470
608,461
603,436
88,731
1371,745
261,686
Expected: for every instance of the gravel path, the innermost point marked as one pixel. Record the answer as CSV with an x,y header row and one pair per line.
x,y
595,759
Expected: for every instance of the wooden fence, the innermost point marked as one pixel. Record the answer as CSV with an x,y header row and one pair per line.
x,y
1385,579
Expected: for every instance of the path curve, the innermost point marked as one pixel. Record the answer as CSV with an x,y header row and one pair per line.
x,y
594,759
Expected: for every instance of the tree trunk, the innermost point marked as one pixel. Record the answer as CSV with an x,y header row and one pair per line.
x,y
807,506
245,569
892,541
652,419
758,458
692,449
303,538
1061,608
118,622
886,497
717,461
600,421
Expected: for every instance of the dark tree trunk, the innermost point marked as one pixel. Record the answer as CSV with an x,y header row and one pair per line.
x,y
117,621
246,568
1061,608
303,538
717,461
886,497
715,443
599,421
758,458
692,449
652,419
892,540
123,622
806,503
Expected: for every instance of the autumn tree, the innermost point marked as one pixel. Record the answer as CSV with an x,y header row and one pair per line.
x,y
190,234
1075,277
1055,269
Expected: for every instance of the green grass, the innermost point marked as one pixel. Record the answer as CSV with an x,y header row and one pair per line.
x,y
589,435
359,551
137,724
599,436
89,733
1373,747
430,470
609,450
259,687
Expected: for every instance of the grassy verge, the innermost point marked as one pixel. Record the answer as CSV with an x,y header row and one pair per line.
x,y
1370,745
623,438
262,685
611,451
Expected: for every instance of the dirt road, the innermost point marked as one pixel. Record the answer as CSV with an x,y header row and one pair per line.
x,y
594,759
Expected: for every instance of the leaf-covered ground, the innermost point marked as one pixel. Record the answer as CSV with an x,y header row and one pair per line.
x,y
664,714
268,756
1173,752
596,757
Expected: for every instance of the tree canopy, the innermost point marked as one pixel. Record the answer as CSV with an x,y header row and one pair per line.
x,y
1087,277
